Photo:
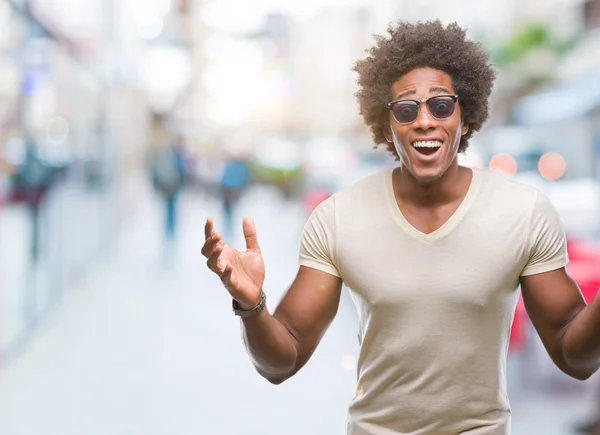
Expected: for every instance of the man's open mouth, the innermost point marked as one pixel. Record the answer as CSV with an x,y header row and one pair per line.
x,y
427,147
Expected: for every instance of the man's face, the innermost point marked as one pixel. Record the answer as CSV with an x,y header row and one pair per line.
x,y
428,145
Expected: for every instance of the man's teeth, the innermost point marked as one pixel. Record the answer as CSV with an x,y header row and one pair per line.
x,y
427,144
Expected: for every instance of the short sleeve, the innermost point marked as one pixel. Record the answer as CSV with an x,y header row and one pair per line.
x,y
317,243
546,239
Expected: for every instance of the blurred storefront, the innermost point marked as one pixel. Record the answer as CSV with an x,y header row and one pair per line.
x,y
64,105
564,118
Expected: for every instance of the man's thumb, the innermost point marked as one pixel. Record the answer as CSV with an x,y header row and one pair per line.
x,y
250,235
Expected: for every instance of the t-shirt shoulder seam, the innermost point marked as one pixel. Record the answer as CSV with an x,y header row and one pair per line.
x,y
313,264
545,267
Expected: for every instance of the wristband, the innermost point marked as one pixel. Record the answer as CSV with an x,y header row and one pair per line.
x,y
254,311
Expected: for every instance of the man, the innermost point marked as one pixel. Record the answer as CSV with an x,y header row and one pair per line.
x,y
433,254
168,172
234,180
33,180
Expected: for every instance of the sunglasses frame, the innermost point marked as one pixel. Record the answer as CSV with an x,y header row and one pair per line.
x,y
391,104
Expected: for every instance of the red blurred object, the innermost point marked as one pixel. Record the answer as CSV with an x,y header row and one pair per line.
x,y
584,268
517,333
313,198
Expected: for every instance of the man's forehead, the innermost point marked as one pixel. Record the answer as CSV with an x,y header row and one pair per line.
x,y
424,76
424,81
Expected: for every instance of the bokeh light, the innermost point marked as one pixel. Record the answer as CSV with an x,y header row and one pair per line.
x,y
504,163
552,166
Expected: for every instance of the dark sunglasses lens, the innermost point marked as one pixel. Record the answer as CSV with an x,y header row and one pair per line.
x,y
442,107
405,111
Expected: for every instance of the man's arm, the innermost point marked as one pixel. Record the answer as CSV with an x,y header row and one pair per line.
x,y
568,328
281,344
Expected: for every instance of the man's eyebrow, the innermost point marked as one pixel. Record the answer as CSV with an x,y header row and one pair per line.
x,y
439,89
413,92
405,94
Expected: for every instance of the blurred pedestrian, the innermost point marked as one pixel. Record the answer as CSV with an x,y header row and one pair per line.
x,y
33,180
168,171
433,252
234,180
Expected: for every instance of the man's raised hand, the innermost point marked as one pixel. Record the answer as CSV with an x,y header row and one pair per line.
x,y
242,273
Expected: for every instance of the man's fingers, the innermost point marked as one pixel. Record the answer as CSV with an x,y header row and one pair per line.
x,y
210,244
250,234
213,260
209,229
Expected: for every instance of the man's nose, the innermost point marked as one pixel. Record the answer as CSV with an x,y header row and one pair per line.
x,y
425,119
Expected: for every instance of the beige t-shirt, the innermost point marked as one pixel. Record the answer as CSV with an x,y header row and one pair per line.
x,y
435,310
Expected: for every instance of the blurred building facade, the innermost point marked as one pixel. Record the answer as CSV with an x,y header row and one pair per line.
x,y
66,95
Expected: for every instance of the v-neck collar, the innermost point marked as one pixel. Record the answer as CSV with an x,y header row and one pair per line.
x,y
447,226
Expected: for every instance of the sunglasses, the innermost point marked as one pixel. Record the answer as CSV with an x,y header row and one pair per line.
x,y
440,107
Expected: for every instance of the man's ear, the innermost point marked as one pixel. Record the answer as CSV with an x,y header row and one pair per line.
x,y
387,133
465,129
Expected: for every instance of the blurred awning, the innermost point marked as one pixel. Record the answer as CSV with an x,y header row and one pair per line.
x,y
567,101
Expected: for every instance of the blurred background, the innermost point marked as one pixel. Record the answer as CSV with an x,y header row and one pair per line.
x,y
124,124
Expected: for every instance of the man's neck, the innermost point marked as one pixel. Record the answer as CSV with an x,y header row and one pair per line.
x,y
451,186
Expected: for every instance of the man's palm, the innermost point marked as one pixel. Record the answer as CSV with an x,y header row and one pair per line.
x,y
247,272
242,273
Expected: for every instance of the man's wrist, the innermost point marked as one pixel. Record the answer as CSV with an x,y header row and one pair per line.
x,y
247,306
244,310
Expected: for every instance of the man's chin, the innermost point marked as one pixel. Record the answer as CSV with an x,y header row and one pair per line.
x,y
429,172
427,175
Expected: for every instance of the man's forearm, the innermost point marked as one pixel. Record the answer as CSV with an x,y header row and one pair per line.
x,y
270,345
581,341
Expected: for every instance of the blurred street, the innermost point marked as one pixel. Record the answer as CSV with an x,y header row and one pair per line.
x,y
147,347
124,124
